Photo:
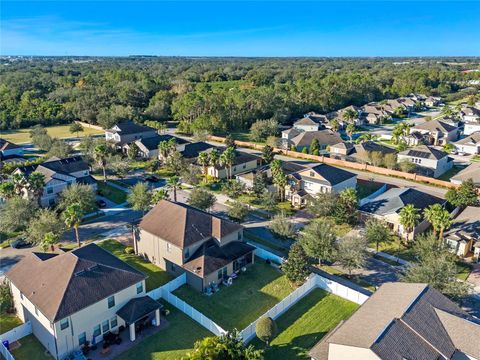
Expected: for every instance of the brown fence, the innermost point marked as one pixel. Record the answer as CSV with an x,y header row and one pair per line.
x,y
345,164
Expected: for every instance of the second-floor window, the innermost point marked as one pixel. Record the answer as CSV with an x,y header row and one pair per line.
x,y
63,324
139,288
169,247
111,302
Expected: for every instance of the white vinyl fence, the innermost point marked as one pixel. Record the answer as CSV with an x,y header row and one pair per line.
x,y
17,332
266,255
173,285
341,290
6,354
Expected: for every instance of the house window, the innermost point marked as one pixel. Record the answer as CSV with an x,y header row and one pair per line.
x,y
82,338
219,274
113,322
96,330
63,324
49,190
105,326
111,302
169,247
139,288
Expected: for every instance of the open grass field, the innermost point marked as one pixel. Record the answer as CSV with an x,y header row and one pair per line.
x,y
30,348
21,136
308,321
251,295
8,322
171,343
156,276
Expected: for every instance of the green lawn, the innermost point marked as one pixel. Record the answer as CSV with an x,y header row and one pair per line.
x,y
464,270
396,248
251,295
365,188
30,348
113,194
156,276
354,279
8,322
60,131
171,343
301,327
450,173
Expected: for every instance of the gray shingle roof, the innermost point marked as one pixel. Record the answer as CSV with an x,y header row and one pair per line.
x,y
64,166
152,143
137,308
130,127
331,174
424,152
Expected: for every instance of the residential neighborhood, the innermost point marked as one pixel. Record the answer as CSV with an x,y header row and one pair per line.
x,y
234,181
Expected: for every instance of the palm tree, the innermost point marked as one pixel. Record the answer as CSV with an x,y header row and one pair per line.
x,y
100,155
173,183
227,159
280,180
36,183
203,160
73,217
350,115
349,130
49,240
334,125
19,182
213,158
432,215
444,222
163,149
365,137
409,218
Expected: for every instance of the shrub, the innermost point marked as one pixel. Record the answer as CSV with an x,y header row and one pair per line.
x,y
266,329
6,298
129,250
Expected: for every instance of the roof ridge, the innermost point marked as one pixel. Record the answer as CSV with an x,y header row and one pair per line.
x,y
65,287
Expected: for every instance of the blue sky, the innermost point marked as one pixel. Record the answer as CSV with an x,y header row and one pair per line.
x,y
340,28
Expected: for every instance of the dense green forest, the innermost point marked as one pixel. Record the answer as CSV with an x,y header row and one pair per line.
x,y
214,94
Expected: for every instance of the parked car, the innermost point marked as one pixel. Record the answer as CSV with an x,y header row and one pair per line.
x,y
101,203
19,243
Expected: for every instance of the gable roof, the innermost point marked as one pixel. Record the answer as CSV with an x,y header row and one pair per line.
x,y
7,145
371,146
240,158
472,140
424,152
406,321
152,143
130,127
394,199
192,150
331,174
64,284
55,165
324,137
466,224
183,225
435,125
305,121
137,308
472,171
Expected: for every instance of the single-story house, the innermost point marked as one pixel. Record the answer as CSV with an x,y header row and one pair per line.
x,y
148,147
387,207
243,162
192,150
472,171
325,139
429,161
127,132
78,296
361,152
9,149
469,144
436,132
464,235
181,239
342,149
59,173
403,321
321,178
339,115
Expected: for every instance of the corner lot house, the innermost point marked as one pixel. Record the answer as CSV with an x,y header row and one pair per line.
x,y
429,161
9,149
436,132
464,235
148,147
77,296
243,162
387,207
179,238
472,171
127,132
322,178
403,321
59,173
470,144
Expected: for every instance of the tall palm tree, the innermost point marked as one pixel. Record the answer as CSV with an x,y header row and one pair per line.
x,y
350,115
444,222
349,130
365,137
213,158
204,161
73,217
100,155
173,183
19,183
280,180
163,149
334,125
432,214
409,218
36,183
227,159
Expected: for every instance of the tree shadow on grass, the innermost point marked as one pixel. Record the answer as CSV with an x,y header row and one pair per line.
x,y
297,348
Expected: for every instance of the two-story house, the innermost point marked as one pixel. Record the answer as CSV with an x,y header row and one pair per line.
x,y
78,296
181,239
469,145
429,161
472,172
9,149
127,132
432,101
59,173
374,113
321,178
436,132
463,238
471,117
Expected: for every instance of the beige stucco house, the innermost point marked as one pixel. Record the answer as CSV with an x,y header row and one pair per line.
x,y
78,296
463,238
436,132
179,238
243,162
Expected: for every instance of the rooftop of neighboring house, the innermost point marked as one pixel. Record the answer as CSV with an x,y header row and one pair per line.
x,y
288,168
406,321
394,199
152,143
343,146
471,111
329,175
472,171
424,152
210,256
466,225
435,125
473,140
305,121
183,225
371,146
324,137
54,165
130,127
192,150
240,158
60,285
7,145
292,131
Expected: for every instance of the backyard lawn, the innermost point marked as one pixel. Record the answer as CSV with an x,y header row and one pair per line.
x,y
251,295
61,131
8,322
396,248
30,348
111,193
301,327
156,276
171,343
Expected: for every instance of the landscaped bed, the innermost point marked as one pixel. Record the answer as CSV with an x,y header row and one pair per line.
x,y
301,327
30,348
8,322
171,343
156,276
251,295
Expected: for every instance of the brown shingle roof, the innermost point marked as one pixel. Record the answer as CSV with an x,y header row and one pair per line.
x,y
183,225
